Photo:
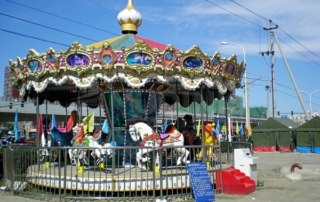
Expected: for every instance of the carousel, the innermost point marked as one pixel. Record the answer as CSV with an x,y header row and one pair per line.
x,y
129,78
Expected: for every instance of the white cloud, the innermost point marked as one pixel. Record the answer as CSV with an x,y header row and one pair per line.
x,y
297,18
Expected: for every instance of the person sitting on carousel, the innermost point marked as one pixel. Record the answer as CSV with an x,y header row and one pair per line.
x,y
179,125
189,126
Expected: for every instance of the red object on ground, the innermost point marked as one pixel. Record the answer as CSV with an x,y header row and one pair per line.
x,y
235,182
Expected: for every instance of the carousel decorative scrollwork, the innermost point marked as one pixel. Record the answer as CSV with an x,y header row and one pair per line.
x,y
83,66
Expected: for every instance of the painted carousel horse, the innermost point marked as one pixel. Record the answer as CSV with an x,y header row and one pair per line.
x,y
140,131
210,138
64,138
89,143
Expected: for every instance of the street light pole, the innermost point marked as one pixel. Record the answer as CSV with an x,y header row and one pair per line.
x,y
246,88
310,94
232,109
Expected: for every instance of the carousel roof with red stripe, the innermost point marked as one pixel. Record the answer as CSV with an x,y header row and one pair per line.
x,y
127,40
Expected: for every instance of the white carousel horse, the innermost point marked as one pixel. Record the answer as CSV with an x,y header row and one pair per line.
x,y
143,132
90,143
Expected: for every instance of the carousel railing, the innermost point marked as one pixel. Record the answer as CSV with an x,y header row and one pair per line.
x,y
50,172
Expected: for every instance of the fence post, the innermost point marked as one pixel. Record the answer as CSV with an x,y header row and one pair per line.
x,y
59,169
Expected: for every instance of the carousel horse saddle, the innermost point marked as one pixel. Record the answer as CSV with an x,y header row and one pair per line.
x,y
63,138
174,134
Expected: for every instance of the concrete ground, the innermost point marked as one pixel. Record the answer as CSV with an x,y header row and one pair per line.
x,y
279,183
273,171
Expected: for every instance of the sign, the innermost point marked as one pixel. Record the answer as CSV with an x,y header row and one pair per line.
x,y
200,182
284,116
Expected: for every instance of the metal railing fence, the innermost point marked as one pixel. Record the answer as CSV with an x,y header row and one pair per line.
x,y
68,173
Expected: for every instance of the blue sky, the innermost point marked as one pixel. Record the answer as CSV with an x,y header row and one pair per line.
x,y
185,23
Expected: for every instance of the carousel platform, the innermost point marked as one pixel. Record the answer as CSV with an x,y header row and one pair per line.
x,y
113,179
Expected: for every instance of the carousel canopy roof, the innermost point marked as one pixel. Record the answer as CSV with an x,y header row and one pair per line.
x,y
130,60
127,40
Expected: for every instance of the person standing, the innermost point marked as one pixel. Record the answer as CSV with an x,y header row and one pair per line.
x,y
189,126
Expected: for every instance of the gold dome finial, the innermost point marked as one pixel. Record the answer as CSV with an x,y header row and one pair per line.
x,y
129,19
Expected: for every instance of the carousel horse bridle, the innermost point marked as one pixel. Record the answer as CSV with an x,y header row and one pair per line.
x,y
134,131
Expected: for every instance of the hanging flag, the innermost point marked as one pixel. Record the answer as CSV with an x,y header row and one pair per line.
x,y
88,123
241,130
249,130
105,126
218,127
224,127
165,125
53,122
16,129
237,129
40,126
231,128
198,128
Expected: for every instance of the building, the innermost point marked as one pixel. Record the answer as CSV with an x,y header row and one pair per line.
x,y
9,91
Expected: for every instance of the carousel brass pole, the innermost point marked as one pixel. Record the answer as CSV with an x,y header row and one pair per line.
x,y
202,126
163,103
155,95
37,111
207,115
177,106
227,125
112,129
154,151
46,110
194,110
66,111
88,114
79,106
100,105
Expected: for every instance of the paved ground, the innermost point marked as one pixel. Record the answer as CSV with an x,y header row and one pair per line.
x,y
273,170
282,185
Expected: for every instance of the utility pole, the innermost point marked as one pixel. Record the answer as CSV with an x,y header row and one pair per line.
x,y
271,53
272,37
292,79
273,81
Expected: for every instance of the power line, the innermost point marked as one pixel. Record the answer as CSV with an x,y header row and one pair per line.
x,y
291,88
281,30
10,16
300,53
285,86
33,37
234,13
250,10
299,43
296,97
63,18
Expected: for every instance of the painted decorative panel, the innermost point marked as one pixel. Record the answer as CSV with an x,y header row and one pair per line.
x,y
78,60
192,62
35,65
139,59
107,57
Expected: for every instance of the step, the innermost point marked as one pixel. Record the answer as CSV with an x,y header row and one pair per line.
x,y
235,182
